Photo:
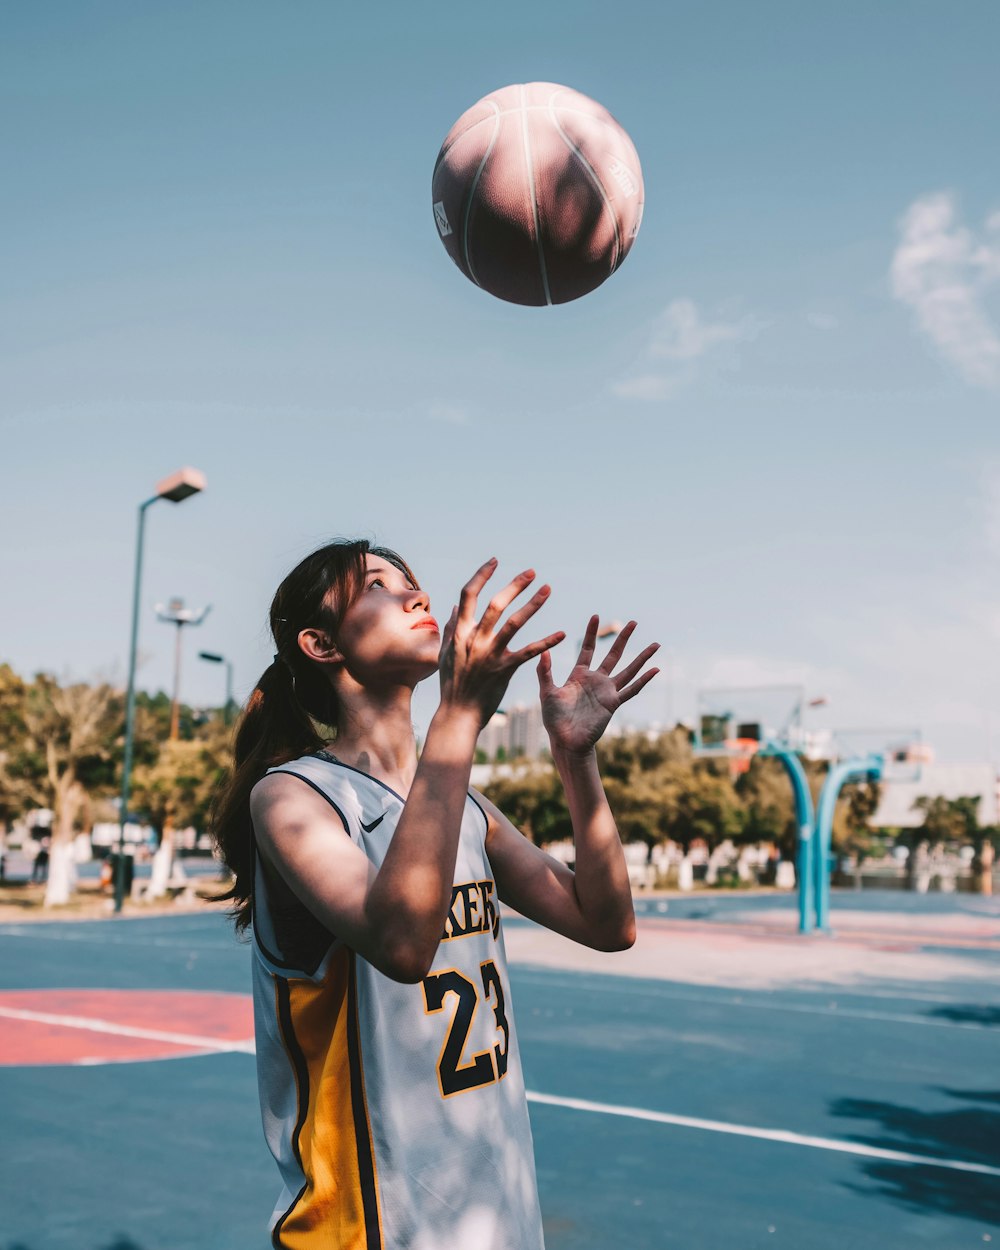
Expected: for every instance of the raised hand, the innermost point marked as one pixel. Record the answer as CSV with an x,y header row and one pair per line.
x,y
576,714
475,665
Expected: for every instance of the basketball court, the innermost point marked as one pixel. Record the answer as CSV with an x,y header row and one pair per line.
x,y
728,1082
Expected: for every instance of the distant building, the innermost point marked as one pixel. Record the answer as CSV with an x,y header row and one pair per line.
x,y
514,734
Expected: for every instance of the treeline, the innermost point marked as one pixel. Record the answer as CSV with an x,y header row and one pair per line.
x,y
660,791
61,748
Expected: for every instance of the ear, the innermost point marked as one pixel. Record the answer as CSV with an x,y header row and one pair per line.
x,y
319,646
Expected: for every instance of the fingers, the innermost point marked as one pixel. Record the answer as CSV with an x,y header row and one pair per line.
x,y
544,670
516,658
631,691
470,591
589,642
623,678
617,649
448,633
514,622
503,598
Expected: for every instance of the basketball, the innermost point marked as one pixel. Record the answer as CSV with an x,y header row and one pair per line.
x,y
537,194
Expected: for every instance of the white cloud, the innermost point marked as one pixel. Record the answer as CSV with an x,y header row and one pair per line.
x,y
648,386
679,333
450,414
941,270
822,321
682,336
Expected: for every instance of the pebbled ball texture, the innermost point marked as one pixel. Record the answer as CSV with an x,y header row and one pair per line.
x,y
537,194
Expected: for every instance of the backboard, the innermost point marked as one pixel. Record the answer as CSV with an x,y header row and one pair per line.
x,y
738,720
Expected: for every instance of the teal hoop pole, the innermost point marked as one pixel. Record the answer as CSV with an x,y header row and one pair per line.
x,y
805,820
863,768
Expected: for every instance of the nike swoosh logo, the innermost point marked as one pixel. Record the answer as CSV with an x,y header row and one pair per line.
x,y
377,821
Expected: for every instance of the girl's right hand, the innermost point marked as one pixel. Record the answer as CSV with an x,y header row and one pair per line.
x,y
475,665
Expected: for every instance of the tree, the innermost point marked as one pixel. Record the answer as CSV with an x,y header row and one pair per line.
x,y
176,788
769,804
852,832
945,820
532,799
68,756
14,792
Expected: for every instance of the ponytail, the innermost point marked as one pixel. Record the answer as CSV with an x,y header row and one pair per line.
x,y
292,704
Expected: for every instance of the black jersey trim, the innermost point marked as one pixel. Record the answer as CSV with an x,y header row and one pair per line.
x,y
332,759
301,1069
276,1231
362,1128
486,819
319,790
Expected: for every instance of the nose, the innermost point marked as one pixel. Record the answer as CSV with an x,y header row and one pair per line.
x,y
418,599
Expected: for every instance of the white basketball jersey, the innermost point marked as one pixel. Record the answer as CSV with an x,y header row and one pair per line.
x,y
396,1113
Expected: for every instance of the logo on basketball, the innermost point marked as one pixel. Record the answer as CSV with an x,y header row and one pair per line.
x,y
623,177
441,217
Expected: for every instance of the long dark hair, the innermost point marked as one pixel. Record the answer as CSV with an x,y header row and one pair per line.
x,y
292,709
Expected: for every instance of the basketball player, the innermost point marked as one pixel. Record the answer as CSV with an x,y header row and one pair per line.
x,y
371,880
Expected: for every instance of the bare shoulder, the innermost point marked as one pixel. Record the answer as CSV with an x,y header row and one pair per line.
x,y
282,804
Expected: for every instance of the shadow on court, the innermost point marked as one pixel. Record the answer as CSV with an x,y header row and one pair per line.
x,y
959,1013
971,1133
119,1243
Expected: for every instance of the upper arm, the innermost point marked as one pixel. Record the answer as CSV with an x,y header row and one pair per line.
x,y
303,839
530,880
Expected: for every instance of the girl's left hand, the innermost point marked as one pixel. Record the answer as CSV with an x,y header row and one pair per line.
x,y
577,714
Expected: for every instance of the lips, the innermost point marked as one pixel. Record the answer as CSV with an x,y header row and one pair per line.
x,y
427,623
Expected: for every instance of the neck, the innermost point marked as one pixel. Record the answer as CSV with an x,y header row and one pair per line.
x,y
375,734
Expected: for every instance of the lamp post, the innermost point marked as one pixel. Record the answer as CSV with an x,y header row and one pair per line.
x,y
213,657
177,487
175,613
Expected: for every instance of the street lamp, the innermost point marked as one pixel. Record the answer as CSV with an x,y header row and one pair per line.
x,y
177,487
175,613
214,658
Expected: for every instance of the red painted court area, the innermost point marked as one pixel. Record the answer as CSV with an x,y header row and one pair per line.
x,y
39,1027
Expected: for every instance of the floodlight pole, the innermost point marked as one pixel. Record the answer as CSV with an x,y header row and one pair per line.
x,y
213,657
178,486
177,615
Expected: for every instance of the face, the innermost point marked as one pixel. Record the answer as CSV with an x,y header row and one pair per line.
x,y
388,634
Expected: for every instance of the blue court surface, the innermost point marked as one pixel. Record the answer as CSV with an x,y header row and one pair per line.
x,y
665,1112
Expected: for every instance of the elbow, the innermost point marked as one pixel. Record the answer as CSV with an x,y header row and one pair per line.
x,y
405,963
621,938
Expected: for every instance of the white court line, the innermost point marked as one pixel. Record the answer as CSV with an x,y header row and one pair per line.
x,y
220,1046
855,1013
89,1023
763,1134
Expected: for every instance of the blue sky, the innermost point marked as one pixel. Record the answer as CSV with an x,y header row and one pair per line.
x,y
772,436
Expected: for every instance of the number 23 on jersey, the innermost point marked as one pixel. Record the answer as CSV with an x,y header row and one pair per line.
x,y
454,1076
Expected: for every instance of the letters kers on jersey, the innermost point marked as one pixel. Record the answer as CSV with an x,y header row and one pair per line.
x,y
396,1113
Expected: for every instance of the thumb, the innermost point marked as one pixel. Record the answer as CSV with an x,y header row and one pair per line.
x,y
449,629
544,671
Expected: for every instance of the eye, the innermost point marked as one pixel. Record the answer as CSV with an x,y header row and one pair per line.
x,y
376,581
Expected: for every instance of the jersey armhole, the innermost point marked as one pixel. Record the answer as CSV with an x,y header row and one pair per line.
x,y
277,960
486,819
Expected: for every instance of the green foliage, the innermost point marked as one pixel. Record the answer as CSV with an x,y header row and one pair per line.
x,y
948,820
61,746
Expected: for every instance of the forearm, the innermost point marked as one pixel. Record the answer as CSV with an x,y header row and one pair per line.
x,y
601,882
409,898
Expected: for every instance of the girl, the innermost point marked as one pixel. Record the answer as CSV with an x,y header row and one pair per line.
x,y
388,1068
